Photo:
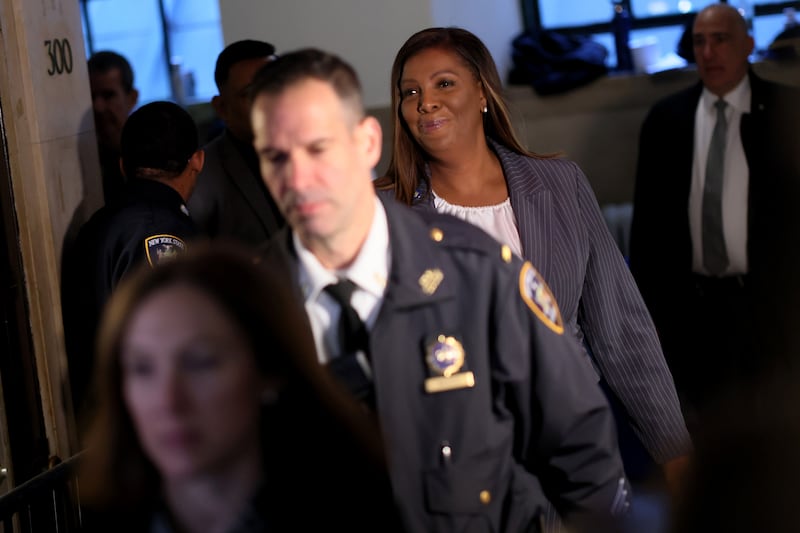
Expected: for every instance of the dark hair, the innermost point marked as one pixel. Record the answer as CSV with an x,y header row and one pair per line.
x,y
117,475
107,60
407,164
310,63
236,52
159,136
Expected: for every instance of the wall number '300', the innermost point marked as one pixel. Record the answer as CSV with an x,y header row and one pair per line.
x,y
60,53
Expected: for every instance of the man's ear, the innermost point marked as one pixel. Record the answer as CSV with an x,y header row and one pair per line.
x,y
197,160
133,99
751,44
372,139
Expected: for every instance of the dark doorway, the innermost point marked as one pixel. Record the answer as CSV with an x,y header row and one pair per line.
x,y
26,432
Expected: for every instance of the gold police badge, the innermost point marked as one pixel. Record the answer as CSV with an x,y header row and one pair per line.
x,y
445,357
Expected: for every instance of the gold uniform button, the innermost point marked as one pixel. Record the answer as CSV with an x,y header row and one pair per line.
x,y
437,234
485,497
505,253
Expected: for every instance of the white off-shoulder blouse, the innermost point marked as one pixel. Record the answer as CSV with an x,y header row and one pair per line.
x,y
497,220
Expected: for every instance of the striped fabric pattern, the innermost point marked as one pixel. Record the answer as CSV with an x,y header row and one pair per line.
x,y
565,236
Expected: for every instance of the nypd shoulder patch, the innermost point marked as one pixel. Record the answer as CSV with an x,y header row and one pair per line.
x,y
161,248
536,294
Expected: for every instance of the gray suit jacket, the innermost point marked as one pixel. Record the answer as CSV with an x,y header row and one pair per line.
x,y
564,235
228,201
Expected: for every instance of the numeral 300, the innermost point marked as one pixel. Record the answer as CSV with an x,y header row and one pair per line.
x,y
60,53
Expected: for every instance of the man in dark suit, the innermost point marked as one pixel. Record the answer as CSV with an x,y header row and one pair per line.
x,y
715,263
454,343
230,200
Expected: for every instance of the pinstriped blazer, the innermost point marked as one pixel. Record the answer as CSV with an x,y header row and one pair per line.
x,y
564,235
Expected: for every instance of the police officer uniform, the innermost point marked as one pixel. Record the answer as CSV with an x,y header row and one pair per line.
x,y
487,408
147,223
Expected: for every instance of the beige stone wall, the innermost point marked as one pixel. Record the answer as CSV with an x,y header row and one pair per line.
x,y
52,154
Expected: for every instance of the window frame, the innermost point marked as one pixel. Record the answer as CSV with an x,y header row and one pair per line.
x,y
532,18
164,25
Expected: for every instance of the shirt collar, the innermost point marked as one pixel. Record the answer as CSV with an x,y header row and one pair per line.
x,y
369,271
738,98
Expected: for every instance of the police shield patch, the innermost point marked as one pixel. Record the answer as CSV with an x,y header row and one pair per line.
x,y
537,295
160,248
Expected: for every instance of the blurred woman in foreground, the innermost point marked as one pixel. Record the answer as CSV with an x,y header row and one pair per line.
x,y
214,416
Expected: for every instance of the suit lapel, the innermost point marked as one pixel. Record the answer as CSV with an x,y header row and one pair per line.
x,y
244,181
684,139
532,204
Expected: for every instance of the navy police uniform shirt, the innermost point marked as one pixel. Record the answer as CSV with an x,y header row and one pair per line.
x,y
488,409
147,223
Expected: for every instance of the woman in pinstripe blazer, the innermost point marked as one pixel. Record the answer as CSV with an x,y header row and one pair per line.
x,y
454,150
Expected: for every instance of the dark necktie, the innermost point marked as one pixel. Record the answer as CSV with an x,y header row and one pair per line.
x,y
353,338
352,332
715,255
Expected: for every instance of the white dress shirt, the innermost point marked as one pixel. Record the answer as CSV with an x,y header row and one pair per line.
x,y
369,271
735,179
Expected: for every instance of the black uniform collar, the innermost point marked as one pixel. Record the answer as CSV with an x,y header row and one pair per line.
x,y
155,192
